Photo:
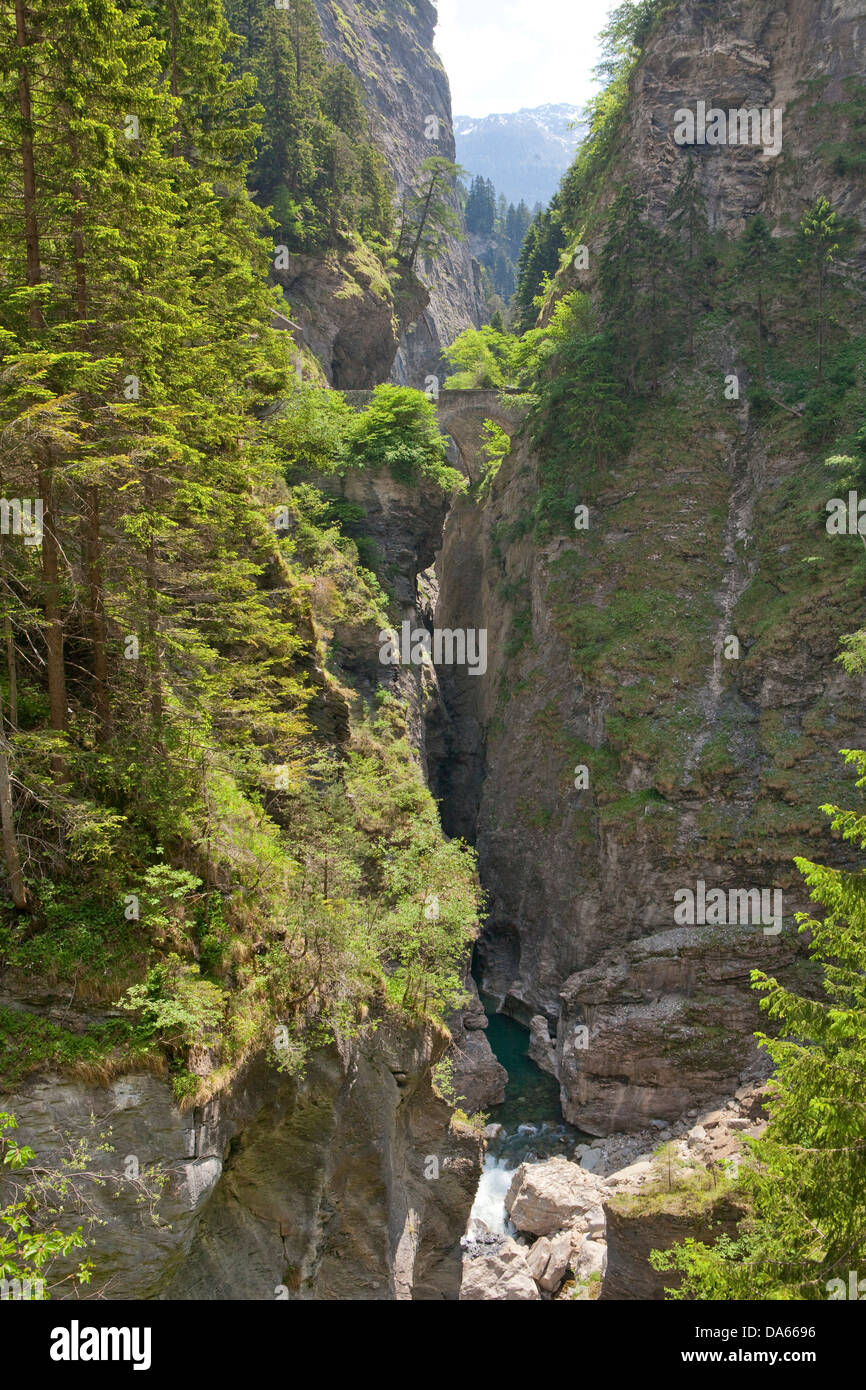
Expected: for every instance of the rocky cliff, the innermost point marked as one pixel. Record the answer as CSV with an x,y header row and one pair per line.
x,y
346,1183
389,48
607,647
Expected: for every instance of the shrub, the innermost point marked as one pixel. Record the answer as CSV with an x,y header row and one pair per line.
x,y
399,431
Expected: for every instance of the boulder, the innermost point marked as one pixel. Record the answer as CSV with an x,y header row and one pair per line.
x,y
546,1197
632,1178
589,1258
593,1223
503,1276
538,1257
548,1261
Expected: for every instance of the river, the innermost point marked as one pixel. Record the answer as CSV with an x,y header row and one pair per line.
x,y
531,1118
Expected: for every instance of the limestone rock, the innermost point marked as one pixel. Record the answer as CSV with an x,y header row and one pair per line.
x,y
541,1048
321,1184
503,1276
632,1178
344,309
546,1197
590,1257
549,1260
479,1080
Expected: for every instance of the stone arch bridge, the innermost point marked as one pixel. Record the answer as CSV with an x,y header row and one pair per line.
x,y
461,416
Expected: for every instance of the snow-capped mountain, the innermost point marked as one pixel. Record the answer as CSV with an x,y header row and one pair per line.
x,y
524,153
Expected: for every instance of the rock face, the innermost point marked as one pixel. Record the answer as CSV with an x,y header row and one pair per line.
x,y
541,1048
390,50
639,1003
479,1080
631,1236
612,758
549,1260
349,313
345,1185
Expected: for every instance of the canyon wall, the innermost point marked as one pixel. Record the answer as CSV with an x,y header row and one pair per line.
x,y
389,48
344,1183
607,646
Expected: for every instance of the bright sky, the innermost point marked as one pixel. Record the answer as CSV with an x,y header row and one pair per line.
x,y
501,55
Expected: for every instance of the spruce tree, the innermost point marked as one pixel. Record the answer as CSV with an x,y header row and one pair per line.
x,y
818,239
687,213
756,261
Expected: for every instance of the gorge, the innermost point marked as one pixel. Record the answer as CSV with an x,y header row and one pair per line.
x,y
521,1033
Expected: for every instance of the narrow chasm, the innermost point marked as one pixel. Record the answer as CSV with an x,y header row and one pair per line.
x,y
504,1067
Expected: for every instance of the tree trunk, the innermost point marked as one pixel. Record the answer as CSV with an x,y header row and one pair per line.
x,y
10,844
96,606
51,603
12,670
28,167
413,257
175,85
820,325
153,614
760,336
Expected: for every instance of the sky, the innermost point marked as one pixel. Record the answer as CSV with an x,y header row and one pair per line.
x,y
501,55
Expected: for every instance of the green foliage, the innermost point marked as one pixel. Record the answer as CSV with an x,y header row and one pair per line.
x,y
315,164
582,417
312,430
399,431
428,215
443,1080
537,263
177,1005
212,824
819,237
756,260
502,226
637,284
28,1249
29,1043
496,447
484,358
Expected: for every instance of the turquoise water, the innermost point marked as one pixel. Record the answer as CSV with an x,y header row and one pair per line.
x,y
531,1096
531,1116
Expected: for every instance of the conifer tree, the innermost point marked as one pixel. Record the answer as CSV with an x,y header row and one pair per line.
x,y
818,238
429,214
636,271
756,262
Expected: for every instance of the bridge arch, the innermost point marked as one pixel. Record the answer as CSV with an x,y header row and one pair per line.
x,y
461,416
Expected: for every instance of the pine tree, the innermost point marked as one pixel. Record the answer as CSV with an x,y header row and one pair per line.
x,y
817,243
538,260
315,164
756,262
429,214
636,272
